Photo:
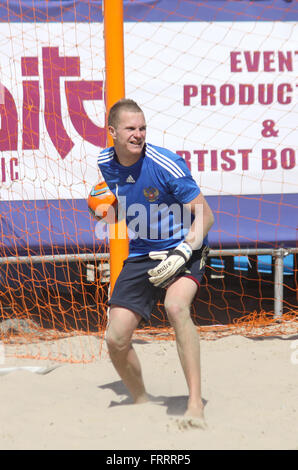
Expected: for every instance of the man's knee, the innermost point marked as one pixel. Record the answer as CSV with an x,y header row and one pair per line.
x,y
178,312
120,329
116,342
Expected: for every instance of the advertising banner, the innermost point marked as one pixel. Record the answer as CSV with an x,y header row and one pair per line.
x,y
217,82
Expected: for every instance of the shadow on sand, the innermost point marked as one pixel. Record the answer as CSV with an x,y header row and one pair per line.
x,y
176,405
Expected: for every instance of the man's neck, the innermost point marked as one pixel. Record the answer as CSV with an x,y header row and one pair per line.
x,y
127,160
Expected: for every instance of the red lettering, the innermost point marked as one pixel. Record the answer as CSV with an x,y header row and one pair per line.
x,y
252,60
214,160
8,169
268,60
76,93
281,90
186,156
55,67
3,172
288,159
285,62
9,122
230,164
14,175
229,160
227,95
246,94
29,66
245,153
208,95
31,102
189,91
269,159
235,61
265,93
201,158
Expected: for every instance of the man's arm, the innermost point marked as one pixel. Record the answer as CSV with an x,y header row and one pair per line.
x,y
202,222
174,261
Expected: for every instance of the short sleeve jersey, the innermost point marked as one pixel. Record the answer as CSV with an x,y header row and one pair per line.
x,y
152,194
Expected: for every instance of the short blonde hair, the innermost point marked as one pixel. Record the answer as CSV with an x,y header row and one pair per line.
x,y
122,105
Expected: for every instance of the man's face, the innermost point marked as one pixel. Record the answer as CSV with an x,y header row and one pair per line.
x,y
130,134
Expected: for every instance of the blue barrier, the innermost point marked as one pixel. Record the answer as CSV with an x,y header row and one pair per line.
x,y
264,264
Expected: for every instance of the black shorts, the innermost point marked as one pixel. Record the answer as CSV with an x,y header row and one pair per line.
x,y
134,291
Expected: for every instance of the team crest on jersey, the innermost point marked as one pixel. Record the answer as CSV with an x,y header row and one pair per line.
x,y
151,194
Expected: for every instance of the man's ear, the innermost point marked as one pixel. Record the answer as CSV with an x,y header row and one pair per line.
x,y
112,131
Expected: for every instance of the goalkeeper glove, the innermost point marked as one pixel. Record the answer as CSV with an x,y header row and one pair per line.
x,y
173,262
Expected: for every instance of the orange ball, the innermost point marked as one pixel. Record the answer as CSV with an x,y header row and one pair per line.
x,y
102,203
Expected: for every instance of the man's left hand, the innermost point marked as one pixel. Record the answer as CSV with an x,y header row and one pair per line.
x,y
173,262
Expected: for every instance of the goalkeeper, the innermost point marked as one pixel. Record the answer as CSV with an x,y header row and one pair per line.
x,y
148,178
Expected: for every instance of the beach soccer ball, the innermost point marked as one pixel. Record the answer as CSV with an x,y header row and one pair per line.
x,y
102,203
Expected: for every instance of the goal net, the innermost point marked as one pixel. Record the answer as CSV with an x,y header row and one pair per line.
x,y
217,81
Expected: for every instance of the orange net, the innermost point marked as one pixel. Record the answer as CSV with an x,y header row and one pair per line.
x,y
217,82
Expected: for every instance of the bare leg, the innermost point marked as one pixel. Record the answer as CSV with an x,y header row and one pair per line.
x,y
122,324
177,303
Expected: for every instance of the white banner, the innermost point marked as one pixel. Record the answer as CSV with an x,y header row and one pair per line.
x,y
52,109
223,95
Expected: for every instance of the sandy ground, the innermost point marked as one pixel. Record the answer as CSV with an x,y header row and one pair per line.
x,y
249,389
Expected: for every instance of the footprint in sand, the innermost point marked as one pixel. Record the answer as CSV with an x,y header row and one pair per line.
x,y
185,423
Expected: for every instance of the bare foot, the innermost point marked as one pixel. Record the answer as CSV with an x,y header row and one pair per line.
x,y
141,399
192,419
189,422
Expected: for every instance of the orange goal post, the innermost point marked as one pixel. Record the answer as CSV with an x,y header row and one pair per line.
x,y
217,81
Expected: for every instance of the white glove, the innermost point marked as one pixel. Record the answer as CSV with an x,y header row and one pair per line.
x,y
173,262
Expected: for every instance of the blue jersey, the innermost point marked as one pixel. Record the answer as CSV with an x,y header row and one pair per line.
x,y
152,193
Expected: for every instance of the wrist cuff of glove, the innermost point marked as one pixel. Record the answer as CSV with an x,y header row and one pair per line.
x,y
185,249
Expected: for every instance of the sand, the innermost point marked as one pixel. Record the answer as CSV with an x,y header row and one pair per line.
x,y
249,390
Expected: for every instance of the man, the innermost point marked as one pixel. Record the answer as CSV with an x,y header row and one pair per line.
x,y
154,182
